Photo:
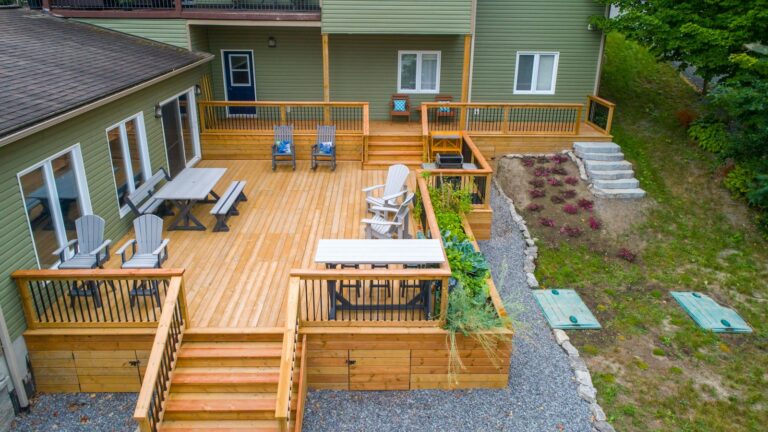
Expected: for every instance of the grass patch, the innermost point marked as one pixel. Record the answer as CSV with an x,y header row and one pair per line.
x,y
653,367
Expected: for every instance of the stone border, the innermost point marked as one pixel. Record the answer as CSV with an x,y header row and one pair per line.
x,y
586,389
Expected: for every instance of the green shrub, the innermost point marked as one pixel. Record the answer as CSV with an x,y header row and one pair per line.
x,y
740,180
710,136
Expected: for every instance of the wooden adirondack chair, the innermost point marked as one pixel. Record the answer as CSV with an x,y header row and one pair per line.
x,y
400,107
392,190
381,227
322,151
445,112
148,250
91,250
283,134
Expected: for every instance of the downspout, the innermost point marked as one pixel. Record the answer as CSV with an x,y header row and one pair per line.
x,y
10,359
599,72
472,49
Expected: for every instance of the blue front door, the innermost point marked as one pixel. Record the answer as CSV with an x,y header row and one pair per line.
x,y
239,80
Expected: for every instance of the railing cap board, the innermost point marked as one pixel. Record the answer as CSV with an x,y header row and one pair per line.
x,y
500,105
49,274
283,103
364,274
600,100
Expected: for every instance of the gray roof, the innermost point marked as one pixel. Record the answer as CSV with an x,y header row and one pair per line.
x,y
49,65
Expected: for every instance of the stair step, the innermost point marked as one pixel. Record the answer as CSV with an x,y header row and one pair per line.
x,y
607,165
385,164
216,406
416,153
394,137
619,193
394,146
596,147
630,183
611,175
233,381
234,335
229,354
220,425
600,156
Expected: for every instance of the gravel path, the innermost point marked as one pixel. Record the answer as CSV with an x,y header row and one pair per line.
x,y
541,395
97,412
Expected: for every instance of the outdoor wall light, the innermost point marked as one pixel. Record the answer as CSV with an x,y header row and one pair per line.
x,y
158,111
198,90
272,42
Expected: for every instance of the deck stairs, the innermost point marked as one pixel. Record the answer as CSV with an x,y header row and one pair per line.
x,y
227,382
610,174
387,148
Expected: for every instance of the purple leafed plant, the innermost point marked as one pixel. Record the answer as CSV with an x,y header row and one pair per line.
x,y
627,255
586,204
570,209
541,172
568,194
537,193
534,207
571,181
528,162
537,183
556,199
570,231
594,223
554,182
559,171
559,158
547,222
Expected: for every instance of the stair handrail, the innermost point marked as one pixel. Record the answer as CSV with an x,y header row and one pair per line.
x,y
288,355
156,385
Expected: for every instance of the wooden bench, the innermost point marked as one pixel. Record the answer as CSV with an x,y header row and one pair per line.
x,y
141,201
226,206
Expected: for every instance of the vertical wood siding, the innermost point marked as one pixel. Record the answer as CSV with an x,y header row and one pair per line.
x,y
397,16
170,31
89,130
506,26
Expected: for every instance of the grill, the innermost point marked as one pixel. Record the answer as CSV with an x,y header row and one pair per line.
x,y
449,160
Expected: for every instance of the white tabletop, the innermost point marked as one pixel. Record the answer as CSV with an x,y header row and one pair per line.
x,y
380,252
191,184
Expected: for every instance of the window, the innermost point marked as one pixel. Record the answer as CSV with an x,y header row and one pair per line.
x,y
536,73
130,157
418,72
239,70
55,194
180,132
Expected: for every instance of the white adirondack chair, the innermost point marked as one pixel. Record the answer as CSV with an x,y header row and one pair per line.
x,y
380,226
91,250
391,191
148,250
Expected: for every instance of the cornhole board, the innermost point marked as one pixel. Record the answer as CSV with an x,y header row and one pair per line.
x,y
565,310
710,315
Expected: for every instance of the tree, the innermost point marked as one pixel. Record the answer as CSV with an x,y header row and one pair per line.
x,y
700,33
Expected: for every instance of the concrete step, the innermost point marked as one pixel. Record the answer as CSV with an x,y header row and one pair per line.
x,y
607,165
596,147
611,175
601,156
619,193
630,183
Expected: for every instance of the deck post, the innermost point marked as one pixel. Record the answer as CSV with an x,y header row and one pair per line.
x,y
326,81
465,80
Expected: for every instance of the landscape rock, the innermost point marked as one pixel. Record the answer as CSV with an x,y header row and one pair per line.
x,y
560,337
531,279
584,378
598,413
604,426
577,364
587,393
570,349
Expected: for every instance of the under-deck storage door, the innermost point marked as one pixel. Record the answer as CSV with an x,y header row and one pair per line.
x,y
379,369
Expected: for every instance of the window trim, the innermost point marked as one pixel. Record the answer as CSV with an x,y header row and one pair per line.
x,y
192,99
535,75
247,69
146,165
48,175
418,89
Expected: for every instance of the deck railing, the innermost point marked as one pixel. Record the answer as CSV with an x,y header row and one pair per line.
x,y
94,298
185,5
350,118
288,356
476,180
162,359
600,113
502,118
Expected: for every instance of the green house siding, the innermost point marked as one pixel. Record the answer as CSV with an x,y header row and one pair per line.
x,y
170,31
291,71
364,68
397,16
89,130
505,27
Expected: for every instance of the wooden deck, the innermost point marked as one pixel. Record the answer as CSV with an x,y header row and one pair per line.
x,y
239,278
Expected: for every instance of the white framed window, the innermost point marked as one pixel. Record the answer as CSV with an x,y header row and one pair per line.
x,y
180,131
536,72
418,72
130,157
240,70
54,193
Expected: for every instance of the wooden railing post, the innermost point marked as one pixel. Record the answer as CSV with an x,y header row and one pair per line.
x,y
202,107
288,353
577,129
177,7
366,131
283,115
26,302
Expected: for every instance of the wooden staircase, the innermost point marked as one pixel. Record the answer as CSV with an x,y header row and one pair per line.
x,y
387,148
228,382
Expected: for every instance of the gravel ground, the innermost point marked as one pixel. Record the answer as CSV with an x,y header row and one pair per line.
x,y
541,395
92,412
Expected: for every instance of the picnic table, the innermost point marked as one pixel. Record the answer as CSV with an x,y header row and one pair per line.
x,y
421,252
191,186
